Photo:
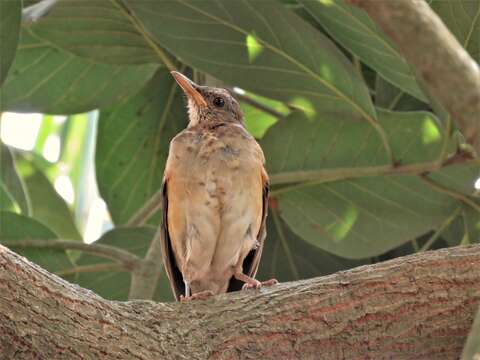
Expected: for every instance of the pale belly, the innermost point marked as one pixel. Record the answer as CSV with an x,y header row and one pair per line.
x,y
221,210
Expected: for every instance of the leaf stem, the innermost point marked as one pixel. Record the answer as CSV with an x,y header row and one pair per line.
x,y
440,230
124,257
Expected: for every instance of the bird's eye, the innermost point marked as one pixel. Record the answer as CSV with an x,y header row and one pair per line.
x,y
218,102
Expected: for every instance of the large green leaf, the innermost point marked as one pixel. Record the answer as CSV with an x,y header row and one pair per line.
x,y
115,285
132,145
14,227
12,189
298,144
463,19
99,29
10,17
352,28
46,79
365,216
47,205
259,46
287,257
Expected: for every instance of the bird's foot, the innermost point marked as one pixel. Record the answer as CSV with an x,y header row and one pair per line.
x,y
255,284
202,295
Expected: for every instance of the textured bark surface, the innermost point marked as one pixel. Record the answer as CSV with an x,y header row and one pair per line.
x,y
416,307
448,72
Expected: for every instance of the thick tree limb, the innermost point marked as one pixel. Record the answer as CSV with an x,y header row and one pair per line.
x,y
419,306
448,72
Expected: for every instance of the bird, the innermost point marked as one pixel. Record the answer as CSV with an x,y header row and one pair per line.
x,y
214,199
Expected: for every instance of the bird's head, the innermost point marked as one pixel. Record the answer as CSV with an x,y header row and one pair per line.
x,y
208,105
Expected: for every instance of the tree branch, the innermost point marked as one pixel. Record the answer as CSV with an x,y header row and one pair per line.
x,y
418,306
446,69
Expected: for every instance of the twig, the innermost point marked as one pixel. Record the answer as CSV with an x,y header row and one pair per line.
x,y
92,268
440,230
440,188
128,259
147,210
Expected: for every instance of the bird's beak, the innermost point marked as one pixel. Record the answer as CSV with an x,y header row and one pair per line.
x,y
189,88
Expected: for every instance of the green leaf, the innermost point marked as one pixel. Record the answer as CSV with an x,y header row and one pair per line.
x,y
97,29
463,19
388,96
12,189
415,136
258,121
259,46
297,144
132,145
47,205
364,217
46,79
460,178
15,227
359,217
353,29
115,285
47,127
465,229
10,17
286,257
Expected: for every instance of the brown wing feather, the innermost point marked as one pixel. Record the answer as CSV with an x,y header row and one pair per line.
x,y
173,273
252,260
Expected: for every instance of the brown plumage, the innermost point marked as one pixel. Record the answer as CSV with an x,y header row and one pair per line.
x,y
215,195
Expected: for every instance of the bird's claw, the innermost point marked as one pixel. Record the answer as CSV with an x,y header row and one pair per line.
x,y
203,295
255,284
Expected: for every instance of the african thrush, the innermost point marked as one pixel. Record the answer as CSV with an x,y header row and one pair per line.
x,y
215,198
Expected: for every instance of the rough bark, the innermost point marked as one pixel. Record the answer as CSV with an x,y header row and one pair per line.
x,y
419,306
446,69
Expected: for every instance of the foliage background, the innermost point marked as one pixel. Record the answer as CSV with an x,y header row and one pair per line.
x,y
364,165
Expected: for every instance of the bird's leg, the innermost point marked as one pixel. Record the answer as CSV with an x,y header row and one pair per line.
x,y
251,283
202,295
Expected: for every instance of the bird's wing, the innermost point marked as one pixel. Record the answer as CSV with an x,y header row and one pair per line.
x,y
173,273
252,260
